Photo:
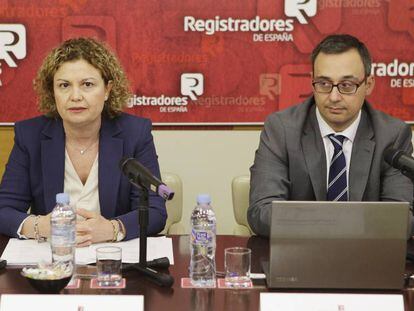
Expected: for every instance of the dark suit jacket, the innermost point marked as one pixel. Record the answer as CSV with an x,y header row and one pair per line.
x,y
35,172
290,163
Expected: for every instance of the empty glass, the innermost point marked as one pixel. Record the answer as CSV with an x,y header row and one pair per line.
x,y
237,262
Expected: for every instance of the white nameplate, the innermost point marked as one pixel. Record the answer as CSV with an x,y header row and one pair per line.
x,y
330,302
72,302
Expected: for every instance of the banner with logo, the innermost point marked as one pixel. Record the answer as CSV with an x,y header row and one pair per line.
x,y
212,61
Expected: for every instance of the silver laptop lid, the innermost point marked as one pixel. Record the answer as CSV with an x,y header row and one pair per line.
x,y
338,244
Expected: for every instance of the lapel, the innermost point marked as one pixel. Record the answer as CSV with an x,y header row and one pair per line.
x,y
362,153
314,153
52,153
110,153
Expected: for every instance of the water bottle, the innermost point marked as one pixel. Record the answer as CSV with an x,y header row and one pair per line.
x,y
63,233
203,243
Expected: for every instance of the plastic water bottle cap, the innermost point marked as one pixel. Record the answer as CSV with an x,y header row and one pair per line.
x,y
203,199
62,198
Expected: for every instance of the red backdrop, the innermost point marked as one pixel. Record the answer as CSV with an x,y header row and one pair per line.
x,y
245,70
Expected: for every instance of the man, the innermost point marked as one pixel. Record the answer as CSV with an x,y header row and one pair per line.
x,y
331,146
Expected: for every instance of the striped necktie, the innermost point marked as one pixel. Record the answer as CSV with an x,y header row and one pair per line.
x,y
337,183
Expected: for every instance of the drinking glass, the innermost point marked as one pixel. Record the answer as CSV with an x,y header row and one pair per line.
x,y
237,262
108,264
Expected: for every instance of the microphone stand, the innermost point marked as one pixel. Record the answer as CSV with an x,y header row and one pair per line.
x,y
144,267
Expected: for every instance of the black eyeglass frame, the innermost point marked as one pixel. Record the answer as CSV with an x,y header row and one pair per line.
x,y
337,86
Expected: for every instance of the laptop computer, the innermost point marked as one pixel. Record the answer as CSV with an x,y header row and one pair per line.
x,y
344,245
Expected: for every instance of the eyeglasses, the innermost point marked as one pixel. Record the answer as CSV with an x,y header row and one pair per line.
x,y
344,87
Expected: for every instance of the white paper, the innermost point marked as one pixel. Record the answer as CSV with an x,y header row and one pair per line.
x,y
330,302
30,252
26,252
72,302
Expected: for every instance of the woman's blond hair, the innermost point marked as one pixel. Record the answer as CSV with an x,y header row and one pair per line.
x,y
96,54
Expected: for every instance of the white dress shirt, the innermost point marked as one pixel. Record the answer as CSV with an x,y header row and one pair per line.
x,y
349,134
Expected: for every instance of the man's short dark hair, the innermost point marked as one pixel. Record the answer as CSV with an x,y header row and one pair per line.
x,y
337,44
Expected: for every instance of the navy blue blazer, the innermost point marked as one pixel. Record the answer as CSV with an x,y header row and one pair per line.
x,y
35,172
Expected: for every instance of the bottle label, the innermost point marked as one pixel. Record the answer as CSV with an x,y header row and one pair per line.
x,y
63,235
201,236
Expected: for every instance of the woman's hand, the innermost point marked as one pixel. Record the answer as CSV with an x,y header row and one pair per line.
x,y
43,226
94,228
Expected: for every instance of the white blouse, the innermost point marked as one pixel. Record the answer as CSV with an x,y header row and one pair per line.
x,y
81,195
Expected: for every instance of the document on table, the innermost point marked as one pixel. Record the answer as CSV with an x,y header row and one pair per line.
x,y
72,302
30,252
330,302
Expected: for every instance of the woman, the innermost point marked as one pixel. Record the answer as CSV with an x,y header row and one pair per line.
x,y
76,147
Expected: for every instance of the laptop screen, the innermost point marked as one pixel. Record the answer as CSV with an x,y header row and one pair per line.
x,y
338,244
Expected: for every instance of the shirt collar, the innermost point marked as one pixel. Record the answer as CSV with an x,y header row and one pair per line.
x,y
326,130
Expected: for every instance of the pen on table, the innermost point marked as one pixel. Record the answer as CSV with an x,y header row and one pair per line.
x,y
222,274
85,276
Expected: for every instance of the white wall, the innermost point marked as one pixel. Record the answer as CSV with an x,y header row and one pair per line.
x,y
207,161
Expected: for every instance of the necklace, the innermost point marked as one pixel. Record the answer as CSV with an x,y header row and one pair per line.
x,y
83,151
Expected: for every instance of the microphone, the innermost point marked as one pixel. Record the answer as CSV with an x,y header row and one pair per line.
x,y
401,161
139,174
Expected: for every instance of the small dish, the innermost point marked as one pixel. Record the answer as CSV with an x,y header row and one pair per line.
x,y
46,279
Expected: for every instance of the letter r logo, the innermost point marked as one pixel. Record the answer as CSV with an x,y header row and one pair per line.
x,y
12,43
270,85
192,85
300,9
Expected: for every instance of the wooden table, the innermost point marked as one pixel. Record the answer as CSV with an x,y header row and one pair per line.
x,y
176,298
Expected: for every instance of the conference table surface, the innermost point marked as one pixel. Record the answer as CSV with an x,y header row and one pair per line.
x,y
177,298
